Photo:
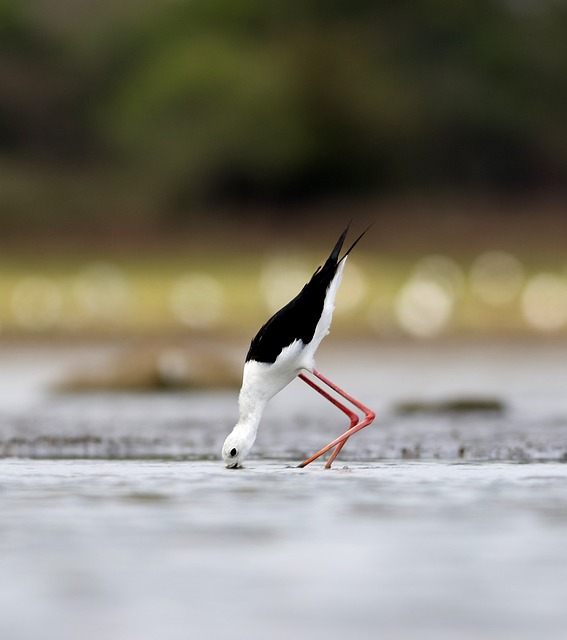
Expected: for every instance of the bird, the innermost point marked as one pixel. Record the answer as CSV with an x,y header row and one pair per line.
x,y
284,349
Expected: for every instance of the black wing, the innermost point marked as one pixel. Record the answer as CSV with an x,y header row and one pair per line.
x,y
299,318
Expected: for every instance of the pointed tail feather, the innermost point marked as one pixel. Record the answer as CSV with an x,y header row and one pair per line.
x,y
334,257
353,245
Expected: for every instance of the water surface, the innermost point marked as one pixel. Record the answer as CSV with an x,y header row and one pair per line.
x,y
118,520
136,549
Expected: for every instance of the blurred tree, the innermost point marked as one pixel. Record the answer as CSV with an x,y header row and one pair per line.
x,y
288,100
40,91
243,101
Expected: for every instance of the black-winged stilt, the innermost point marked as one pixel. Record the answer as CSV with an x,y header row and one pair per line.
x,y
284,349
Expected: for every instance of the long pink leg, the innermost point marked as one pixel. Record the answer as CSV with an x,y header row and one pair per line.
x,y
351,399
353,416
354,426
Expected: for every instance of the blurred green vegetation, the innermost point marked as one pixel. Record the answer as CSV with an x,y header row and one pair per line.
x,y
147,113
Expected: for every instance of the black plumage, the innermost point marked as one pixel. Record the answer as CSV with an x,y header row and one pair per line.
x,y
299,318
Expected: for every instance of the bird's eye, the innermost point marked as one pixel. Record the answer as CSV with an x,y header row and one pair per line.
x,y
233,452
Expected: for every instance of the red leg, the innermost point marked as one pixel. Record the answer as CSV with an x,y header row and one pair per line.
x,y
355,426
353,416
369,415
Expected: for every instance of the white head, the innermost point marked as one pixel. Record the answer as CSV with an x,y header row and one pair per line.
x,y
237,445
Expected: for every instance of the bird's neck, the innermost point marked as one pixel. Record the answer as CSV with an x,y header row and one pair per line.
x,y
251,403
251,410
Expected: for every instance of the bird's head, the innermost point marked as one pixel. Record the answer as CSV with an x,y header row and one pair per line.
x,y
236,448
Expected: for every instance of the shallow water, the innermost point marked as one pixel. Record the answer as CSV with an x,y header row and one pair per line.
x,y
118,521
139,549
529,380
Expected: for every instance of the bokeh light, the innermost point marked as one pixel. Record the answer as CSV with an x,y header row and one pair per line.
x,y
544,302
496,277
442,270
424,308
282,278
103,294
197,300
36,303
